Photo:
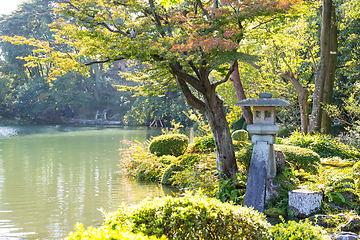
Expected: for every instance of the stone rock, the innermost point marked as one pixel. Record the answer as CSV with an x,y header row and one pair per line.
x,y
304,202
271,188
280,161
345,236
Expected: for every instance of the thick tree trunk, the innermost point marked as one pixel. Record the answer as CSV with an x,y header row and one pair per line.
x,y
240,94
225,156
330,76
213,108
315,120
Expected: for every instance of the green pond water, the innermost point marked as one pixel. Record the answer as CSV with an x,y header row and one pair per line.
x,y
52,177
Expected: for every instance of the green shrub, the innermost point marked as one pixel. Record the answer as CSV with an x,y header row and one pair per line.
x,y
356,176
238,145
298,231
191,217
181,163
138,162
356,171
243,156
169,144
203,144
300,158
324,145
105,232
286,131
240,135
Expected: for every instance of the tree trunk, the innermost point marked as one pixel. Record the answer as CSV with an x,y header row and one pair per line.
x,y
330,76
315,120
213,108
240,94
225,156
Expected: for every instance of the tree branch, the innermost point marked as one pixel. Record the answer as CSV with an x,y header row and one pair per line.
x,y
188,78
226,78
189,96
104,61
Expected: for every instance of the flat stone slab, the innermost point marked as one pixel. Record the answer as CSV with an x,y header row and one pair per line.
x,y
304,202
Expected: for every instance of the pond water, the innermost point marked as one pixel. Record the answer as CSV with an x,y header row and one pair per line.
x,y
52,177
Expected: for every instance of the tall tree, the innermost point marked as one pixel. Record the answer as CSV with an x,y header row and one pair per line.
x,y
326,68
189,39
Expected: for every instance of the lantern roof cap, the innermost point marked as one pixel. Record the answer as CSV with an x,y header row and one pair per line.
x,y
265,99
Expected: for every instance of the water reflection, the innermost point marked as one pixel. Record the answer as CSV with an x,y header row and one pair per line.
x,y
53,177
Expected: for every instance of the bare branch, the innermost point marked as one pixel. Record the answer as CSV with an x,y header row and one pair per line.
x,y
104,61
263,23
188,78
226,78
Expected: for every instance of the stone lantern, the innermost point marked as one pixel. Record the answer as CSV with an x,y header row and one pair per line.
x,y
263,131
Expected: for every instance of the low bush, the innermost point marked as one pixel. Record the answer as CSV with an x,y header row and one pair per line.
x,y
356,176
337,187
240,135
299,158
243,155
169,144
238,145
324,145
106,232
203,144
138,162
298,231
181,163
286,132
191,217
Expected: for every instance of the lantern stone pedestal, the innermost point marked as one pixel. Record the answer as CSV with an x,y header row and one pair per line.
x,y
262,165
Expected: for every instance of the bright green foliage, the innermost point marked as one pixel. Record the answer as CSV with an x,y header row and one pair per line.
x,y
169,144
285,181
243,156
203,144
286,131
232,190
105,232
300,158
336,186
356,175
298,231
240,135
191,217
181,163
323,145
138,162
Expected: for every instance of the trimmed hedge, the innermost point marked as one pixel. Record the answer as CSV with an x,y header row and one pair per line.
x,y
324,145
181,163
169,144
299,158
240,135
191,217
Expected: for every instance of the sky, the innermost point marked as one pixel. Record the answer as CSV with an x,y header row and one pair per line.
x,y
6,6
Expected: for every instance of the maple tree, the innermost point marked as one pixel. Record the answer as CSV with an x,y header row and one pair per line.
x,y
185,40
